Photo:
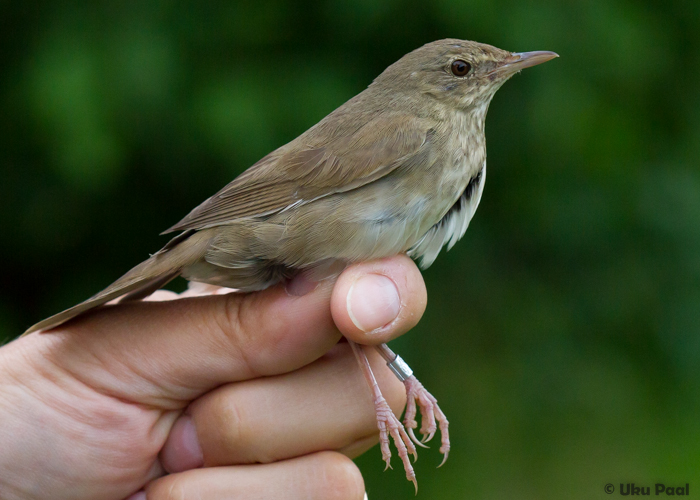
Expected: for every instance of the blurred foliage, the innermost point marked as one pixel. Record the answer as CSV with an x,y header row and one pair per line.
x,y
563,333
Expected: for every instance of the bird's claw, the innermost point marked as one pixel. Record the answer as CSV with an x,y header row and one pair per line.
x,y
413,437
432,417
389,425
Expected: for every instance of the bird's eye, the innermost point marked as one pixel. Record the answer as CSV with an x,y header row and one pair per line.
x,y
460,68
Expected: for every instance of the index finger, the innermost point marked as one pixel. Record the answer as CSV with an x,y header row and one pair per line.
x,y
168,353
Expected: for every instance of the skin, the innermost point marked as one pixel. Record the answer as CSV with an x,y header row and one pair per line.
x,y
235,396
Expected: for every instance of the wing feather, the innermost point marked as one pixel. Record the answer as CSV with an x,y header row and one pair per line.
x,y
313,166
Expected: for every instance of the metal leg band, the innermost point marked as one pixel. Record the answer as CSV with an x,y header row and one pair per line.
x,y
400,368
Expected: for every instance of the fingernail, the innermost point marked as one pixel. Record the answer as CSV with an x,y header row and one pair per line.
x,y
139,495
182,450
373,301
300,285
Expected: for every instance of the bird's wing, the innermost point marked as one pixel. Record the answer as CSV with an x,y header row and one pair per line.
x,y
294,175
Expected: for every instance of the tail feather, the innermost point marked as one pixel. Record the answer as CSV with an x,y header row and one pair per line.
x,y
95,301
138,283
149,287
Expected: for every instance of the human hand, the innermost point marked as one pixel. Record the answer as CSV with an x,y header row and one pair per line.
x,y
235,396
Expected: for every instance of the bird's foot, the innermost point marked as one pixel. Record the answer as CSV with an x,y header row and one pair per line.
x,y
430,413
389,425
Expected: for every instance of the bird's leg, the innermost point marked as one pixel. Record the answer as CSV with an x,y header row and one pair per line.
x,y
386,420
416,393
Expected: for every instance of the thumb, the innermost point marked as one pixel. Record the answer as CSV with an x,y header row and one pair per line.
x,y
374,302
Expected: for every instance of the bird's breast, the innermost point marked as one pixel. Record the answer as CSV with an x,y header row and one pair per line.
x,y
453,224
463,173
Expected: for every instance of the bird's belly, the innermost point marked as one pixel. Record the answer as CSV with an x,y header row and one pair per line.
x,y
382,219
352,227
377,221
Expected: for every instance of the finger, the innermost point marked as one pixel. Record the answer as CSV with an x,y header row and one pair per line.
x,y
377,301
158,296
320,476
324,406
360,447
167,353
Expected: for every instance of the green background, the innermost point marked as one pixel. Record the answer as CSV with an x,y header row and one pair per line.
x,y
562,335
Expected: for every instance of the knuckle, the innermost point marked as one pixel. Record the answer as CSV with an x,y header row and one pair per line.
x,y
342,479
228,318
236,327
233,431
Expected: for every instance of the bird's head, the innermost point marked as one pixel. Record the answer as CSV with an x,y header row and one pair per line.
x,y
462,74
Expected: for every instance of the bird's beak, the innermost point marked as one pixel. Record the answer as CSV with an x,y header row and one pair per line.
x,y
521,60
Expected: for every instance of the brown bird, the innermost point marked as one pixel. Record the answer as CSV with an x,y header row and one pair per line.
x,y
399,168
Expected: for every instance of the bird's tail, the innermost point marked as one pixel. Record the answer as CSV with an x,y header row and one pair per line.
x,y
141,281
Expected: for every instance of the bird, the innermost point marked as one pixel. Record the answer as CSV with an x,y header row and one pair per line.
x,y
399,168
